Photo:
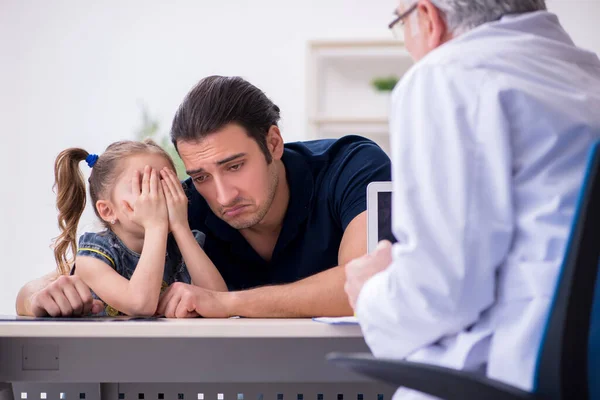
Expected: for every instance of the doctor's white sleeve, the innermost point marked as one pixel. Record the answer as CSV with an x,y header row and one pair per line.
x,y
452,210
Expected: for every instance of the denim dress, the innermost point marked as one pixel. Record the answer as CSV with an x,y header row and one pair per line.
x,y
108,248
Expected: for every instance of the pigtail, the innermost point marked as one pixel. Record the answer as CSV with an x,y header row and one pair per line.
x,y
69,185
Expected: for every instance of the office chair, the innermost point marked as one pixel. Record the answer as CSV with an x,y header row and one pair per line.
x,y
568,365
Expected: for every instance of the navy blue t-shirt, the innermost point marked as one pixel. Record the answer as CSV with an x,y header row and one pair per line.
x,y
328,187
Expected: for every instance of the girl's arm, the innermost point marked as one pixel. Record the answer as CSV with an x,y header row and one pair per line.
x,y
138,295
201,269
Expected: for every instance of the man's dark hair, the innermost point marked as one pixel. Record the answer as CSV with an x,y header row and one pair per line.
x,y
220,100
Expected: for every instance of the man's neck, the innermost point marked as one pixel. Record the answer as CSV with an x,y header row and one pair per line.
x,y
264,235
273,220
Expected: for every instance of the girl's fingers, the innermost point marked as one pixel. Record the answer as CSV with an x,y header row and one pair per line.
x,y
169,182
166,190
178,185
135,183
153,182
160,188
175,184
146,181
127,209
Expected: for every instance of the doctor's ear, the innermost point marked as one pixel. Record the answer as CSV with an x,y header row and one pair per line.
x,y
432,24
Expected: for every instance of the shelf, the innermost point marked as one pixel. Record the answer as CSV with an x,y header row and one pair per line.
x,y
350,120
341,99
359,49
391,53
381,137
353,44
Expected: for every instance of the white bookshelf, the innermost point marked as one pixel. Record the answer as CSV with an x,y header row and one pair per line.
x,y
341,99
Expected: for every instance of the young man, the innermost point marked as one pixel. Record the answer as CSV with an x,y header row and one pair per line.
x,y
280,220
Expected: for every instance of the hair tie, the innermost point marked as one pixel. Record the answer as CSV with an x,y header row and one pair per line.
x,y
91,160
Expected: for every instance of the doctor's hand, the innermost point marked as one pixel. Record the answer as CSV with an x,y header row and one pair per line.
x,y
360,270
181,300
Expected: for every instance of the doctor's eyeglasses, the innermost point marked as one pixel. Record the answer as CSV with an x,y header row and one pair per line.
x,y
397,25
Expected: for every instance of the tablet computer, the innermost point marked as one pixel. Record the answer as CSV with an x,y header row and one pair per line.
x,y
379,214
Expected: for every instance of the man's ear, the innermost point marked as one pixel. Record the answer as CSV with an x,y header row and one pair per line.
x,y
432,24
275,142
106,211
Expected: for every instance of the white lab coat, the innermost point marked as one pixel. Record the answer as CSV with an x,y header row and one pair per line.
x,y
490,138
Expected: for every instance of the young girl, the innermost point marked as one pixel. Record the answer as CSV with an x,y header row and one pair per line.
x,y
138,197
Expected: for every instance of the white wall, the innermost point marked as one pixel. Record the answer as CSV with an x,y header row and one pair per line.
x,y
72,74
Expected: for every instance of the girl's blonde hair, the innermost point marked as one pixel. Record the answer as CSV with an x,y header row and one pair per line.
x,y
69,185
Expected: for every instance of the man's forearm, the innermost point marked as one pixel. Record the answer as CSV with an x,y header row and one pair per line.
x,y
316,296
23,304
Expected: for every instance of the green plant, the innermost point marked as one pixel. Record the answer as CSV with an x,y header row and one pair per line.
x,y
150,129
384,84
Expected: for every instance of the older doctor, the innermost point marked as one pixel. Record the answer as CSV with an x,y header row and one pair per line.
x,y
490,134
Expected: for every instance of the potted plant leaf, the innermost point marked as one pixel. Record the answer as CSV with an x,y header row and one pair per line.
x,y
383,86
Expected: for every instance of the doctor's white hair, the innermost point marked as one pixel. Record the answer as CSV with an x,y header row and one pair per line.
x,y
464,15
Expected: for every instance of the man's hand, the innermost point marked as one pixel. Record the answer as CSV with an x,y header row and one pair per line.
x,y
181,300
360,270
67,296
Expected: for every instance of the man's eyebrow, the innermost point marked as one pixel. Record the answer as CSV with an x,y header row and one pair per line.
x,y
220,162
230,158
194,171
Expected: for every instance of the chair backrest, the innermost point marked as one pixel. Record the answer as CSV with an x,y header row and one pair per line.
x,y
569,362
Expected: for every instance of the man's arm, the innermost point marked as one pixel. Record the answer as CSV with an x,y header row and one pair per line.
x,y
56,296
23,304
318,295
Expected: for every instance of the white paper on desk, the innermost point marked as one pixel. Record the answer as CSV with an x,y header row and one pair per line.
x,y
337,320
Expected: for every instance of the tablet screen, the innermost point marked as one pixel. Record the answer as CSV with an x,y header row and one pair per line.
x,y
384,217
